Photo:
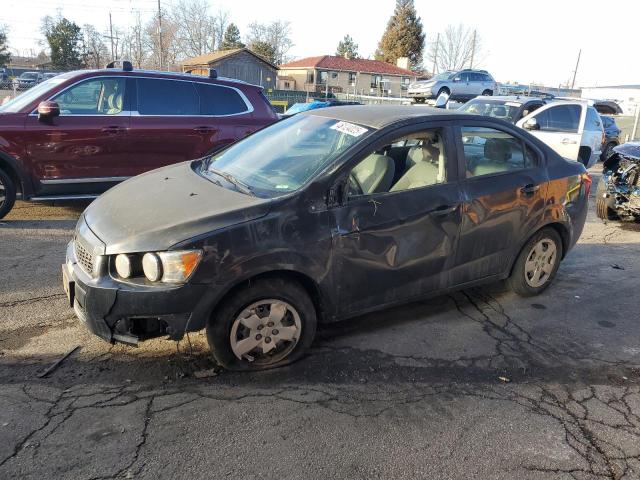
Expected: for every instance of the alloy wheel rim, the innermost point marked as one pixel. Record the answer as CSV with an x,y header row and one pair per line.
x,y
540,262
265,332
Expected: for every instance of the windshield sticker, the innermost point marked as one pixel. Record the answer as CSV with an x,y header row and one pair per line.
x,y
512,104
349,128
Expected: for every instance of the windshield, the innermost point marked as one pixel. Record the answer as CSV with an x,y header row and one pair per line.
x,y
493,108
286,155
442,76
24,99
29,76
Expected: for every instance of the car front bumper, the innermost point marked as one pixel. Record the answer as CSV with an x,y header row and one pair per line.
x,y
129,313
420,94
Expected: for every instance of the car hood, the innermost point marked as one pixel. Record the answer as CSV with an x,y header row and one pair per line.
x,y
156,210
630,150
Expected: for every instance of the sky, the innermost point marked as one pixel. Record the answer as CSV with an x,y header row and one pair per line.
x,y
535,42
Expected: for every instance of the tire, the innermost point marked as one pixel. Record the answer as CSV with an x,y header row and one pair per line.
x,y
487,93
602,209
444,90
530,261
418,100
7,193
250,304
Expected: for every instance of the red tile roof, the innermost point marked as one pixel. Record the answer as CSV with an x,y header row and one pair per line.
x,y
330,62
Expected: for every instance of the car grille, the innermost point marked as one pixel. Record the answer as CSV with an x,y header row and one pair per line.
x,y
84,257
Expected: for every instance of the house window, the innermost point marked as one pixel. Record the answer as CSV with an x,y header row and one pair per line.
x,y
310,76
323,77
352,78
376,80
405,83
287,85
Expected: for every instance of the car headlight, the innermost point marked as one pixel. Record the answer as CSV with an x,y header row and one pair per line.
x,y
165,267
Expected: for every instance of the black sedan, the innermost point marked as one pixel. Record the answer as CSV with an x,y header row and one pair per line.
x,y
326,215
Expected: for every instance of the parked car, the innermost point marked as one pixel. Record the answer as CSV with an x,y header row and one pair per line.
x,y
459,85
325,215
572,128
5,81
510,108
618,194
79,133
611,136
47,76
28,80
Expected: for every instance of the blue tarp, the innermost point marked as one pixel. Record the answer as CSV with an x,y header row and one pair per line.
x,y
303,107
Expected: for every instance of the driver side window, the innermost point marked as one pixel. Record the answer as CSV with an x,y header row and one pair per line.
x,y
412,161
99,96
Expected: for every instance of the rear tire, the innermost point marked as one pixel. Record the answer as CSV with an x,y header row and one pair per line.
x,y
252,313
487,93
7,193
537,263
602,209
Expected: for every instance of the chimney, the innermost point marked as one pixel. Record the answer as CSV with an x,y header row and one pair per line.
x,y
403,62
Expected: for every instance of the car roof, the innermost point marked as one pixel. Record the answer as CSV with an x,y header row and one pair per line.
x,y
378,116
511,98
156,74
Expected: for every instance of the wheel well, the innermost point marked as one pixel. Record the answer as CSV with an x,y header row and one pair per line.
x,y
584,154
564,235
488,90
9,170
442,89
307,283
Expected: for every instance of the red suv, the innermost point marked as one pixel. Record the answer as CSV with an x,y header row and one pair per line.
x,y
79,133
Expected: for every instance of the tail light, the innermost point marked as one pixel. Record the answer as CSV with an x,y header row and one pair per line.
x,y
586,181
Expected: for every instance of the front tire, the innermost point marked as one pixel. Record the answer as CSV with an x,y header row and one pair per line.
x,y
603,211
268,323
7,193
487,93
537,263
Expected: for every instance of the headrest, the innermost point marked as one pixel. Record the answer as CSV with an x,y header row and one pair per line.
x,y
497,150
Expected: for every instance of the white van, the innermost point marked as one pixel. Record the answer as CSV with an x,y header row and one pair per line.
x,y
572,128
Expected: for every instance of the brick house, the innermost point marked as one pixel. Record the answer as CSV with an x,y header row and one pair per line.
x,y
343,75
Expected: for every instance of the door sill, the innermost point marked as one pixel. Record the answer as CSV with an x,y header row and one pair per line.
x,y
53,198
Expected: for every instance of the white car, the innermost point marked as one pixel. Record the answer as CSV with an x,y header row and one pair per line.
x,y
572,128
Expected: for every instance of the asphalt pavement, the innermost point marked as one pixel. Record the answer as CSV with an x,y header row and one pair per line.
x,y
478,384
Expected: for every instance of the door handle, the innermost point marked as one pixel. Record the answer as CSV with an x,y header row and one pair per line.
x,y
568,141
530,189
113,129
204,129
444,210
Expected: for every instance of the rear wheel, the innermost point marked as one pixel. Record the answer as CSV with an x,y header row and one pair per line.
x,y
487,93
267,324
7,193
537,264
602,209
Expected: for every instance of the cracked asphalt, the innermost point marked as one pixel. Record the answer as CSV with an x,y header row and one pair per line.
x,y
478,384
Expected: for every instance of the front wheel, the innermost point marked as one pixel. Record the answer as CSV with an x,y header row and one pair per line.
x,y
537,264
267,324
7,193
487,93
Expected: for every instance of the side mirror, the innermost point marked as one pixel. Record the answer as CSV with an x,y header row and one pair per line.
x,y
531,124
47,111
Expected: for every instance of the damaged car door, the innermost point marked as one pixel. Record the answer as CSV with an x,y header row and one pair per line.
x,y
396,231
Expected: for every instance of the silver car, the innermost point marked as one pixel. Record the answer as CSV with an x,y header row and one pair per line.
x,y
459,85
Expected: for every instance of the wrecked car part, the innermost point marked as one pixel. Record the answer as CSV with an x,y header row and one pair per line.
x,y
618,196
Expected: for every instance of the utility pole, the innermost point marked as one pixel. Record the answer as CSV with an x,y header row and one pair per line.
x,y
435,56
160,32
113,57
575,72
473,48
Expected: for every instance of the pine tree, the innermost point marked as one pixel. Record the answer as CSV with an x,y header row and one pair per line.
x,y
347,48
5,55
64,38
404,36
231,38
264,49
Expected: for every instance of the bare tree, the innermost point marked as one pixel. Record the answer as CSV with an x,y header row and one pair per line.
x,y
170,48
275,34
137,47
220,23
456,49
195,27
95,49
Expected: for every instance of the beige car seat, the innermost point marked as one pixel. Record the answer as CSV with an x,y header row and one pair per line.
x,y
374,173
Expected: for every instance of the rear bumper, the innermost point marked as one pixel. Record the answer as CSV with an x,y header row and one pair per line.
x,y
129,313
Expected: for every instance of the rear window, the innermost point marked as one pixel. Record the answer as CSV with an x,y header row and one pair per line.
x,y
218,100
166,97
593,122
